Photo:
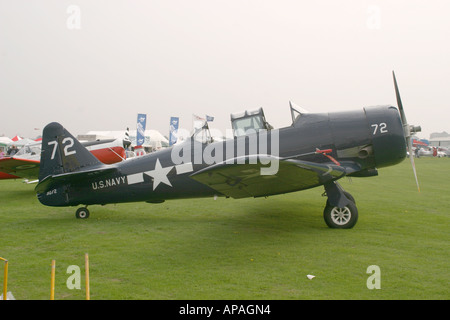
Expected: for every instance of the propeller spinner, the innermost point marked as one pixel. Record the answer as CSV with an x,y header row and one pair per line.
x,y
407,129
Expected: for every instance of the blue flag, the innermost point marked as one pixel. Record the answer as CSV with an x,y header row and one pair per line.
x,y
140,132
209,118
174,121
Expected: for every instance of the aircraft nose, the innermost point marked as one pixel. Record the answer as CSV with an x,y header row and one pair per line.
x,y
386,130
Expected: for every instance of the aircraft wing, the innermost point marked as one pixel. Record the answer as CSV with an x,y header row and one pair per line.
x,y
245,180
16,167
23,168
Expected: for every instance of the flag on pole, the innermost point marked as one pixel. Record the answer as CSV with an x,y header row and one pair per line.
x,y
140,135
197,122
174,121
198,118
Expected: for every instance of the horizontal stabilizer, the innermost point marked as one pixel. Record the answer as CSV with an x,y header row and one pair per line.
x,y
50,182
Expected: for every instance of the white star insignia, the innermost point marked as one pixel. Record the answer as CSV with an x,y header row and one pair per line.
x,y
159,174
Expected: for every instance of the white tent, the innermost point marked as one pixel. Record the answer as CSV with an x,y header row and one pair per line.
x,y
153,138
5,140
22,142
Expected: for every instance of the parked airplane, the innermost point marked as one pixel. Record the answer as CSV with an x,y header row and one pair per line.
x,y
316,150
26,162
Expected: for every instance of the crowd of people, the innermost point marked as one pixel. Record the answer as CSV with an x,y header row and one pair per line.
x,y
11,151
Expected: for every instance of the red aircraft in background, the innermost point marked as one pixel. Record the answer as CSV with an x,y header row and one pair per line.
x,y
26,162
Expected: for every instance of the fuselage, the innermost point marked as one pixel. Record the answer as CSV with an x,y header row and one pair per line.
x,y
369,138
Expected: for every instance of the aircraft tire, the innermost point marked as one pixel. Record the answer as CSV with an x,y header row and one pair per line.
x,y
82,213
349,197
341,218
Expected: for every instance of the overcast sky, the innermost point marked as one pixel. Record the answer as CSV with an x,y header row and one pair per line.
x,y
93,65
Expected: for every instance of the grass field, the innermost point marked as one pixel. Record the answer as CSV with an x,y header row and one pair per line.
x,y
238,249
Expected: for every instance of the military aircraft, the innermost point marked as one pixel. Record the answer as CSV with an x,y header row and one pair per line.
x,y
317,149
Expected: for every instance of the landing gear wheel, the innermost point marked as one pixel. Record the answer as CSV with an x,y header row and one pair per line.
x,y
341,218
82,213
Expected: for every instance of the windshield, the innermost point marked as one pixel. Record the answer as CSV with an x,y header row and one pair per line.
x,y
250,124
296,111
29,149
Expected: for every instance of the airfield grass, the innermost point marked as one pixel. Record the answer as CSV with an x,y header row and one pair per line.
x,y
260,248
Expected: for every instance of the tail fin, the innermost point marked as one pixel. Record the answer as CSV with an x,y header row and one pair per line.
x,y
62,153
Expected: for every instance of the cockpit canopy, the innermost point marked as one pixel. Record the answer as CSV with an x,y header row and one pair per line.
x,y
248,122
30,149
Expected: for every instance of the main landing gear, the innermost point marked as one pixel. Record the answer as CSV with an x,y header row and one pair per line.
x,y
82,213
340,210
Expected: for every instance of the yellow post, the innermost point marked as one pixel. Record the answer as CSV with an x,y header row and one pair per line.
x,y
5,279
52,281
86,266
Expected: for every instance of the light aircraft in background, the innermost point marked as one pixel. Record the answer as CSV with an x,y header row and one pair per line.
x,y
26,162
317,149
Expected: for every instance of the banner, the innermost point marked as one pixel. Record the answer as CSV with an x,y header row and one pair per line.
x,y
140,132
174,121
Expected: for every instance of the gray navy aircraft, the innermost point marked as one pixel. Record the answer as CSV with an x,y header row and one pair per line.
x,y
317,149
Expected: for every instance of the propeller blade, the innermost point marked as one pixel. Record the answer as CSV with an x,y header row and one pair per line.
x,y
400,108
406,129
413,165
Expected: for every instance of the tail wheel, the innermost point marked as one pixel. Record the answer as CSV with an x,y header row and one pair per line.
x,y
341,218
82,213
